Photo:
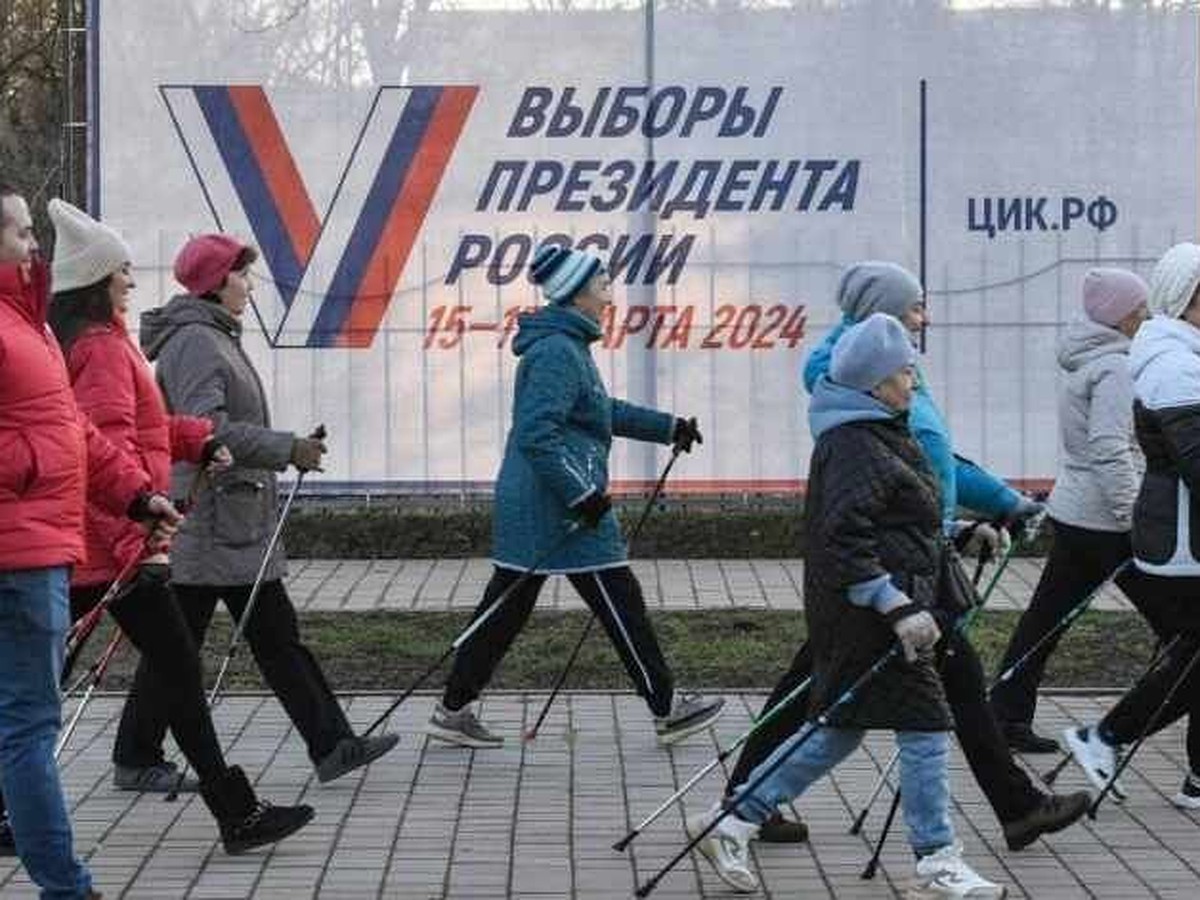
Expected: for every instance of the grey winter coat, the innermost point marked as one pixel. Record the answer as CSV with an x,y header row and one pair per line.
x,y
1101,467
203,371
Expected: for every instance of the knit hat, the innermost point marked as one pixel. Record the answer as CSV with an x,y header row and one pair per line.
x,y
871,351
85,251
1109,295
878,287
1174,280
206,261
562,272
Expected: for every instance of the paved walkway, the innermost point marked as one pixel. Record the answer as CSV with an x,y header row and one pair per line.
x,y
537,821
441,584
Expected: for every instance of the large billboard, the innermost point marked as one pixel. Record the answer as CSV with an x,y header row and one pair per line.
x,y
397,164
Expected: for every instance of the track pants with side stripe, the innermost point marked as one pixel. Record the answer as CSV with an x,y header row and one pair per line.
x,y
614,595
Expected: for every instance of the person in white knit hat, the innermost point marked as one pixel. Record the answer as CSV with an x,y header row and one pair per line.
x,y
1164,583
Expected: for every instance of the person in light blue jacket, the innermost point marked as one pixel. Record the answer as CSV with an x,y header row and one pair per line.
x,y
552,511
870,287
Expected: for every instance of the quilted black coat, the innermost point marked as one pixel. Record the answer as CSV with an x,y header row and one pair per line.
x,y
873,509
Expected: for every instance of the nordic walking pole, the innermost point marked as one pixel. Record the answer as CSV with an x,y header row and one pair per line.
x,y
532,733
82,630
95,675
821,721
1062,625
1146,730
873,866
475,625
244,620
773,713
1050,776
967,621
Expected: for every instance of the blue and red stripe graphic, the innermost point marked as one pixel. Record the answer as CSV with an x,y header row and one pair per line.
x,y
286,225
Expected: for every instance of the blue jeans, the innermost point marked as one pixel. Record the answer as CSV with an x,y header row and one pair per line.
x,y
34,616
924,780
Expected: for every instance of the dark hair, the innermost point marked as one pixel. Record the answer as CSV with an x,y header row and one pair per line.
x,y
246,257
71,312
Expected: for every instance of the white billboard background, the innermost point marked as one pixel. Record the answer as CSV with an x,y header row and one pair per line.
x,y
1020,103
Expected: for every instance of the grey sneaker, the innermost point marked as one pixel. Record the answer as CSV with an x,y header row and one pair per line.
x,y
160,779
461,727
352,753
689,713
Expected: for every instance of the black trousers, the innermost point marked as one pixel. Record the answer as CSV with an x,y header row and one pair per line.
x,y
1009,790
1080,561
289,668
614,595
1172,607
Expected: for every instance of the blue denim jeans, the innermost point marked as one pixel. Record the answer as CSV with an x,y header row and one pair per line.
x,y
34,616
924,780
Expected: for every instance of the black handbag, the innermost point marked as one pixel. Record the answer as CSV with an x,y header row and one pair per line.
x,y
956,594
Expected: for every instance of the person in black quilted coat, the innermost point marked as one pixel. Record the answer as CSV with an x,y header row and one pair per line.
x,y
871,579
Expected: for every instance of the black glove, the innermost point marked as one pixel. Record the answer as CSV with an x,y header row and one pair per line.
x,y
592,508
686,434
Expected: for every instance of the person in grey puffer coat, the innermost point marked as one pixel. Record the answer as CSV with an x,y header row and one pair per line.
x,y
1092,502
203,371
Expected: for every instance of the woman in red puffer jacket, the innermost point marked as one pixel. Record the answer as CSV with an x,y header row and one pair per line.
x,y
113,384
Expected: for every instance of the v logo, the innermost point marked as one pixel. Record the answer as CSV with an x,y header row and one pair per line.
x,y
332,276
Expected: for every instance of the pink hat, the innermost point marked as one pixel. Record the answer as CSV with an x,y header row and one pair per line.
x,y
206,261
1109,295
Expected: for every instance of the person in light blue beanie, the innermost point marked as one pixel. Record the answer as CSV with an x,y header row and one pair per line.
x,y
554,478
871,287
871,352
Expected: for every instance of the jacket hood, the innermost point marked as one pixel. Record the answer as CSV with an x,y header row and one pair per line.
x,y
158,325
1165,363
1086,341
833,404
549,320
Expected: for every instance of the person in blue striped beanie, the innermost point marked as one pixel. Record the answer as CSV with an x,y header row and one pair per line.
x,y
553,476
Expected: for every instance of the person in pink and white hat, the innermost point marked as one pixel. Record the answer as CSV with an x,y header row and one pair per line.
x,y
1099,473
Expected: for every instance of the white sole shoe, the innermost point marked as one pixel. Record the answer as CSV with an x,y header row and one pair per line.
x,y
726,853
1097,759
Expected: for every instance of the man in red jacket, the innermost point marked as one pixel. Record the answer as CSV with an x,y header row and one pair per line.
x,y
51,460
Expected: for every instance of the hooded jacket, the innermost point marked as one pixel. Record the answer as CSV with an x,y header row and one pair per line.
x,y
52,459
961,481
114,386
872,513
1164,360
203,371
557,449
1100,468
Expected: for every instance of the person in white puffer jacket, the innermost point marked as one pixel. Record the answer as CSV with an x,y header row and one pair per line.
x,y
1099,472
1164,582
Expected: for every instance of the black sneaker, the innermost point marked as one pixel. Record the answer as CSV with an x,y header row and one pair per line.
x,y
353,753
8,844
1023,739
1189,795
1054,813
778,830
245,821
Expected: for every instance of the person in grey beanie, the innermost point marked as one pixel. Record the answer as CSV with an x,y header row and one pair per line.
x,y
874,555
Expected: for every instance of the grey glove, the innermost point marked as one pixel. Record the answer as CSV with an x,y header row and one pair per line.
x,y
915,628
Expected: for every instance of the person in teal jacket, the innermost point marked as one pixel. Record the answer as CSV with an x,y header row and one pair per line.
x,y
552,511
870,287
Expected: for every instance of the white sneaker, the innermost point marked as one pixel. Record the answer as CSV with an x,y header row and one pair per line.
x,y
1189,795
1097,759
945,874
726,847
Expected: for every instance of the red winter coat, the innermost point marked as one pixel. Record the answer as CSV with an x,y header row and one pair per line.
x,y
115,387
52,459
